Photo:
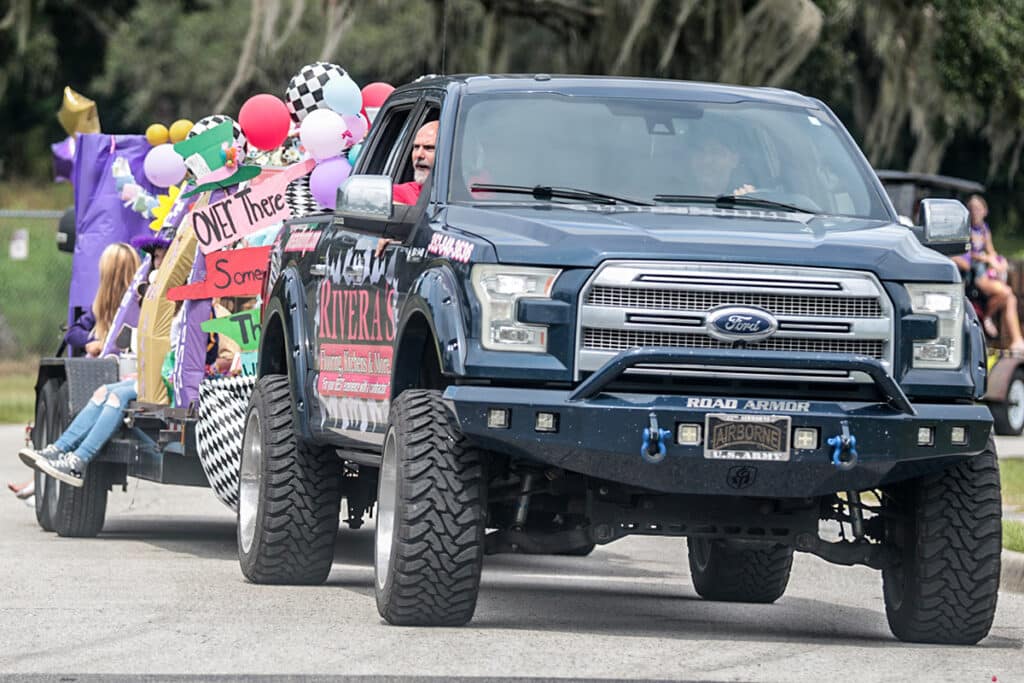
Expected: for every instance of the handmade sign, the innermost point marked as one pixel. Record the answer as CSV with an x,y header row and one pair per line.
x,y
243,327
234,272
246,211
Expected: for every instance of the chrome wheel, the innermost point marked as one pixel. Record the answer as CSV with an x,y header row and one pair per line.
x,y
387,494
1015,404
249,481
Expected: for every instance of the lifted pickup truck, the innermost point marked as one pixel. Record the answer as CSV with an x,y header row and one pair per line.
x,y
623,307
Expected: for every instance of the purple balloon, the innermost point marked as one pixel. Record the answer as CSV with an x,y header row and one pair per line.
x,y
163,166
326,178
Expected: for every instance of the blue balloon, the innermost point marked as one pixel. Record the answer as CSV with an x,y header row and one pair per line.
x,y
342,95
353,152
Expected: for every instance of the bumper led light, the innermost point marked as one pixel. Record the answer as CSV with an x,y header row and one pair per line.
x,y
925,436
688,434
546,422
805,438
958,435
498,418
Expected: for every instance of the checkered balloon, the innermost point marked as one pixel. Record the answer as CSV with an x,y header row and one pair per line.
x,y
305,91
208,122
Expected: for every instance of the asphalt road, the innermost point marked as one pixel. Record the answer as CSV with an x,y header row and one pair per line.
x,y
160,592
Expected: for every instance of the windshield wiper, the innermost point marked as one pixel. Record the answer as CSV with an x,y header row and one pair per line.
x,y
728,200
548,192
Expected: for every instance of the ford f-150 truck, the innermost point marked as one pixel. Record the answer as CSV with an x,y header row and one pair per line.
x,y
623,306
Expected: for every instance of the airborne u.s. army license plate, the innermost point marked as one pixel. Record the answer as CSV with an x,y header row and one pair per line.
x,y
731,436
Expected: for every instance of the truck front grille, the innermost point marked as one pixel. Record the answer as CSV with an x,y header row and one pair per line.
x,y
779,304
620,340
631,304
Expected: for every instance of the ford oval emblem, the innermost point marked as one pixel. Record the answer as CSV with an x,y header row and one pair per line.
x,y
741,323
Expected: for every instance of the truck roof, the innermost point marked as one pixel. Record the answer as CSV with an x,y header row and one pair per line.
x,y
642,88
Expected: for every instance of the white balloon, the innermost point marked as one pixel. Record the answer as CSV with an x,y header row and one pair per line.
x,y
322,133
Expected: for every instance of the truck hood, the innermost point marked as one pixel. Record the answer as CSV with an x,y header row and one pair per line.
x,y
584,236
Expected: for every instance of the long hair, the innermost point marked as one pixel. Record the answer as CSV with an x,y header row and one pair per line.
x,y
118,264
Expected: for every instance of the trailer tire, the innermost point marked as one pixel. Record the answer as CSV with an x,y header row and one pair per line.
x,y
49,423
431,511
1008,414
289,495
945,588
81,512
739,571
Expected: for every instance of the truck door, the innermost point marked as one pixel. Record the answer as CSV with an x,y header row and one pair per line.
x,y
357,300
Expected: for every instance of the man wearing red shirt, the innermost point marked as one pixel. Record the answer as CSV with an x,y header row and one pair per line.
x,y
422,163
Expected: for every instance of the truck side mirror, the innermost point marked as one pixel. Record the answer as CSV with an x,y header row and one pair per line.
x,y
945,221
366,196
945,225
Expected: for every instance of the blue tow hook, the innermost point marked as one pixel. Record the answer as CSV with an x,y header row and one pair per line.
x,y
844,453
653,449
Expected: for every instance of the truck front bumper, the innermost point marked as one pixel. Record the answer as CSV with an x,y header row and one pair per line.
x,y
601,434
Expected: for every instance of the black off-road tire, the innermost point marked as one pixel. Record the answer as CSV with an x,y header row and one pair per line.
x,y
739,571
431,505
950,537
47,427
81,512
1008,415
293,495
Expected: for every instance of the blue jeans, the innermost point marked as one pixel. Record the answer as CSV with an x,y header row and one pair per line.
x,y
98,420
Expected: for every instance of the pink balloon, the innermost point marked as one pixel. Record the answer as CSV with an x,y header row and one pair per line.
x,y
357,127
326,178
322,134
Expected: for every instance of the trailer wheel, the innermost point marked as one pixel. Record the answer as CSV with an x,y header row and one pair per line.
x,y
739,571
947,529
48,426
1008,415
81,512
289,495
429,543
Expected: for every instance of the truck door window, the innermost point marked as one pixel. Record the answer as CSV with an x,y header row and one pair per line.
x,y
392,132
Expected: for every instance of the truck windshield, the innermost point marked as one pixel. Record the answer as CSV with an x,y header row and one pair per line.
x,y
658,152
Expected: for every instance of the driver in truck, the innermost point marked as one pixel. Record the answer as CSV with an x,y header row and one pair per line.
x,y
422,164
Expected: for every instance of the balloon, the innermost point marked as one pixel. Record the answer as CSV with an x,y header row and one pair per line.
x,y
322,134
326,178
265,121
163,166
305,93
357,127
180,129
342,95
374,95
353,153
156,134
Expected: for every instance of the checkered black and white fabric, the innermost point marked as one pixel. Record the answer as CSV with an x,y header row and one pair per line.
x,y
208,122
305,91
222,405
300,200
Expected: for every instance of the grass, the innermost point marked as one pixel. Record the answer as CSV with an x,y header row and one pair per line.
x,y
17,393
33,292
1011,472
1013,535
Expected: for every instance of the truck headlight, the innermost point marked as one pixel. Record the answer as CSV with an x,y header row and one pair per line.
x,y
499,288
945,302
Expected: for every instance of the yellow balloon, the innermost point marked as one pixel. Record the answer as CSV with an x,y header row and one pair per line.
x,y
180,129
156,134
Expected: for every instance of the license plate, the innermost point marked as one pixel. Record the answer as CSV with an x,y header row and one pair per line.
x,y
731,436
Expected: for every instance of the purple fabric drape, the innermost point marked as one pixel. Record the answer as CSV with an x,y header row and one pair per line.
x,y
100,216
63,159
190,347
